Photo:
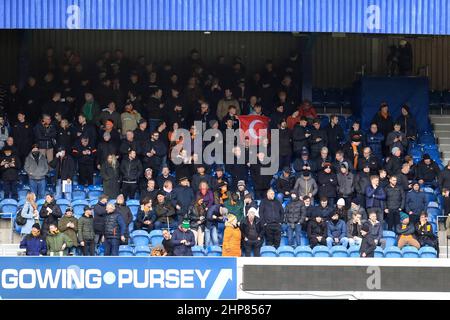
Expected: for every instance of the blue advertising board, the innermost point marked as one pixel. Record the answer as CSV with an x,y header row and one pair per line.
x,y
118,278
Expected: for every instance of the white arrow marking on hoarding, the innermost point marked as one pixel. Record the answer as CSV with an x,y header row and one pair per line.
x,y
219,285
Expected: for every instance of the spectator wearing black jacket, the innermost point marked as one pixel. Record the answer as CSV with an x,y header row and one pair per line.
x,y
383,120
328,184
294,217
10,165
22,132
335,135
318,139
99,219
183,196
284,184
154,152
129,143
85,154
50,212
444,177
317,231
261,181
272,216
85,129
285,144
165,213
395,202
65,137
425,233
45,134
395,162
427,171
126,214
64,166
300,136
141,134
146,217
408,123
105,148
252,233
368,244
368,160
131,170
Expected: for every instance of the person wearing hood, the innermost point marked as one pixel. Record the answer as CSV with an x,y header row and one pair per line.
x,y
36,166
183,240
57,242
284,184
408,123
252,233
65,170
336,231
355,207
294,219
33,243
415,203
427,171
9,167
406,232
317,231
50,212
68,225
305,186
86,233
232,237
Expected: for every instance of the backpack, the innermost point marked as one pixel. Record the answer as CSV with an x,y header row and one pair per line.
x,y
20,221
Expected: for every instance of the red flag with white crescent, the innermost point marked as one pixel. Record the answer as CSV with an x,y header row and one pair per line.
x,y
254,127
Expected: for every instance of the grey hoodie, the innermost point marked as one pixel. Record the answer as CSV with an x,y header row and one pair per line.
x,y
36,171
304,186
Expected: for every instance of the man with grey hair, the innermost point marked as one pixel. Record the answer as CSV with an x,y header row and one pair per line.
x,y
114,230
252,233
271,213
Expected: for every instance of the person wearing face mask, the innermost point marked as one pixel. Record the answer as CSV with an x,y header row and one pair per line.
x,y
36,167
33,243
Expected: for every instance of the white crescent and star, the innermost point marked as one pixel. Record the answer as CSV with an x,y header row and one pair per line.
x,y
251,130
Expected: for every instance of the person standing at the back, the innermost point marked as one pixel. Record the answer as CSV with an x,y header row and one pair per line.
x,y
114,230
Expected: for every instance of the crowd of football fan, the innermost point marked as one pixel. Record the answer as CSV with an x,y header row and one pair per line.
x,y
120,118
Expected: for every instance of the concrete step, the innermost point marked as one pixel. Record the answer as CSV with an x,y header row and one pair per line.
x,y
442,133
440,119
443,141
441,126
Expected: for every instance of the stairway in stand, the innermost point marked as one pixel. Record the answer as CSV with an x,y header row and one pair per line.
x,y
441,124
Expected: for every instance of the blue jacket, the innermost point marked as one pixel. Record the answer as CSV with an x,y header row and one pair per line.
x,y
375,142
34,246
27,213
375,197
338,230
416,202
180,249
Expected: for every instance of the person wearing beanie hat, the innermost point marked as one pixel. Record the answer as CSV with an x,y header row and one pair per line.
x,y
294,215
183,240
86,233
427,171
406,232
356,207
415,203
317,230
34,243
336,231
368,244
68,225
305,185
231,237
284,184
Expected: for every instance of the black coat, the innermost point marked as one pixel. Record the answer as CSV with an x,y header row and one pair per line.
x,y
316,229
394,165
131,170
271,211
99,218
317,146
245,228
444,178
260,181
428,173
104,149
44,136
335,137
88,130
65,168
10,166
395,197
384,125
23,137
183,196
327,184
51,218
298,137
65,138
285,142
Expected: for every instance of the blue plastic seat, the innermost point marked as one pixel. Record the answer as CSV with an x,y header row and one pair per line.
x,y
379,253
321,251
134,207
268,251
434,227
286,251
390,237
339,252
284,241
78,195
198,251
410,252
303,252
427,252
393,252
63,204
156,237
433,204
353,252
140,238
214,251
141,251
78,207
40,203
94,194
8,208
433,213
126,251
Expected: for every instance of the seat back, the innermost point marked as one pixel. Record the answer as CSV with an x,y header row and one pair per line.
x,y
339,252
140,238
198,251
126,251
393,252
268,251
321,252
142,251
410,252
286,251
427,252
214,251
156,237
303,252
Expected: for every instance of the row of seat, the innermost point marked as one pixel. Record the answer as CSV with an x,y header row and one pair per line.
x,y
342,252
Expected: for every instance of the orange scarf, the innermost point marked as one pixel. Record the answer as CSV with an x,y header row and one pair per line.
x,y
355,155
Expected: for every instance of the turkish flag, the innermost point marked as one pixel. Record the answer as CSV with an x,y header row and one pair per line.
x,y
253,126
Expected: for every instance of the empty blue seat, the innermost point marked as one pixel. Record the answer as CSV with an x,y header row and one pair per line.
x,y
353,252
93,202
141,251
214,251
78,195
156,237
126,251
320,251
284,241
286,251
63,204
94,194
390,237
427,252
379,253
140,238
433,213
134,206
268,251
410,252
393,252
198,251
433,204
339,252
78,207
8,208
303,252
40,203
